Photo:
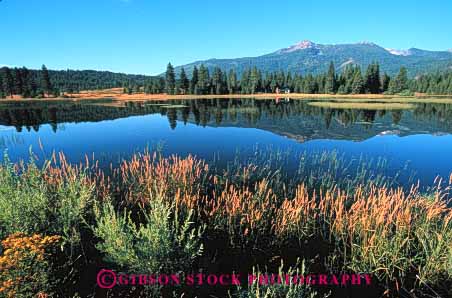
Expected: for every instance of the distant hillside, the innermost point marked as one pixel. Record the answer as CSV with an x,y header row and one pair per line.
x,y
92,79
308,57
76,80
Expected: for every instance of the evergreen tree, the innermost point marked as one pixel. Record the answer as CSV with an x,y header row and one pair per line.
x,y
224,83
217,81
280,79
245,82
8,82
402,79
350,72
330,83
358,83
45,78
254,81
372,79
399,83
273,84
266,83
2,92
18,83
310,85
183,82
170,80
341,89
385,82
26,82
232,81
194,81
203,80
297,85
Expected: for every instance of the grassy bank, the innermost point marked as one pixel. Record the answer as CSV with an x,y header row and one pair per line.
x,y
61,223
117,94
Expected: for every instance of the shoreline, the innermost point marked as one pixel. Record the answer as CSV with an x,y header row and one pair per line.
x,y
116,94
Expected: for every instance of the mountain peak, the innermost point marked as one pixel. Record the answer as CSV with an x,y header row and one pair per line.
x,y
305,44
368,43
306,57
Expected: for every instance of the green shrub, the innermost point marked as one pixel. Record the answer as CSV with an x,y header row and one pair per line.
x,y
47,200
24,204
162,243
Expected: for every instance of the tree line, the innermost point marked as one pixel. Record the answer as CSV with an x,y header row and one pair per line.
x,y
20,81
46,83
351,80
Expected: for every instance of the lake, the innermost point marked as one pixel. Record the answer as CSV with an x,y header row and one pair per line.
x,y
415,142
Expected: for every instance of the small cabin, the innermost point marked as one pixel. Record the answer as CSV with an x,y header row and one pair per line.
x,y
284,90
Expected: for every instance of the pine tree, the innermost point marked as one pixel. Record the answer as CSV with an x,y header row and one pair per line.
x,y
25,75
18,83
372,79
341,89
254,81
310,86
297,84
245,82
402,79
267,82
2,92
183,82
349,75
203,80
170,80
289,81
280,79
273,84
385,82
330,83
399,83
217,79
232,81
8,82
224,83
194,81
358,83
46,83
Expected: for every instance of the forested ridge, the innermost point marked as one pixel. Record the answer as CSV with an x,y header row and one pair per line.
x,y
351,80
307,57
44,82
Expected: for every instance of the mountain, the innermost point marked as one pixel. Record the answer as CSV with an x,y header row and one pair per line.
x,y
309,57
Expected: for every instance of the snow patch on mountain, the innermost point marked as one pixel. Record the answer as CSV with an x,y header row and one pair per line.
x,y
305,44
349,61
399,52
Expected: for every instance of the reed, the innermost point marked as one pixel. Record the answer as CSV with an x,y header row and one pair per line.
x,y
155,213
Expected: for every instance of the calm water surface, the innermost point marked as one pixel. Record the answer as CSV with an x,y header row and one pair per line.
x,y
419,138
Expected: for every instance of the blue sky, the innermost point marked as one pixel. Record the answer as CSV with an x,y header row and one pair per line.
x,y
141,36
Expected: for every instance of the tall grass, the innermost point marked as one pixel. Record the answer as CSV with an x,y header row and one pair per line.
x,y
260,289
153,213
